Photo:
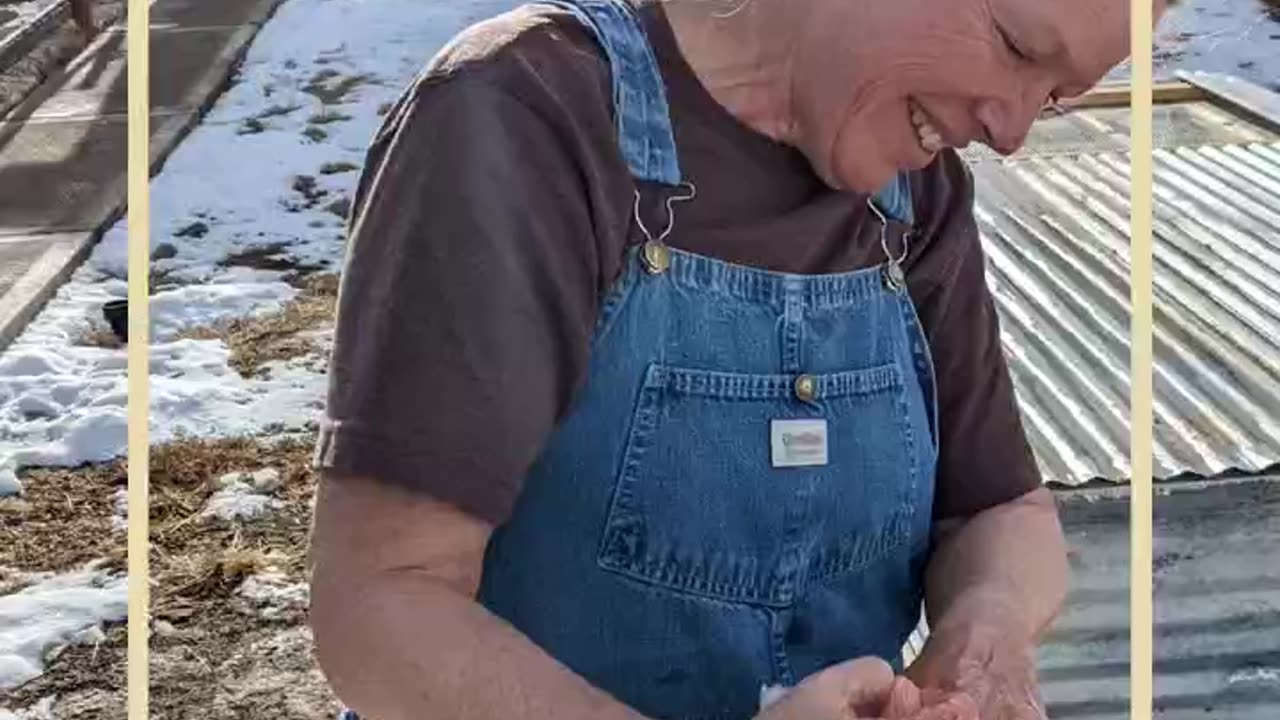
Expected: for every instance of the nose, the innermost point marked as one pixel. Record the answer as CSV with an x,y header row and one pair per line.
x,y
1005,124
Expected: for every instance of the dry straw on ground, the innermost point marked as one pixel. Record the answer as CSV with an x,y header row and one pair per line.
x,y
216,649
284,335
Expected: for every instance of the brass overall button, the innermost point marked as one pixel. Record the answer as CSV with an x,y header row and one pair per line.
x,y
657,257
894,279
806,387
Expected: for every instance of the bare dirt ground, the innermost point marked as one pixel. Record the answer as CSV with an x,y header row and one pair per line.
x,y
229,525
230,596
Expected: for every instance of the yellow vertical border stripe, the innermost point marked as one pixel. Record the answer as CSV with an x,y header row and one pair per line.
x,y
139,322
1141,418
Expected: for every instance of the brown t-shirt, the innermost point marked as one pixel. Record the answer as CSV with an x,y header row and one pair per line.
x,y
494,212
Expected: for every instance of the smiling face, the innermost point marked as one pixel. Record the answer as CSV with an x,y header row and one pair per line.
x,y
879,86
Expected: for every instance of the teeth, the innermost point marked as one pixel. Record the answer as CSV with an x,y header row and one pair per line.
x,y
930,139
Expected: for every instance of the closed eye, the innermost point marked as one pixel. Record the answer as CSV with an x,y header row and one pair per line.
x,y
1011,45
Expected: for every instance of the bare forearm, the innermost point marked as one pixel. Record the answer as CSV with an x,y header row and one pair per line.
x,y
1009,560
404,646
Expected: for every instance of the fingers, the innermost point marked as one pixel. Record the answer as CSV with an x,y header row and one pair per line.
x,y
1032,708
866,684
856,688
905,699
954,706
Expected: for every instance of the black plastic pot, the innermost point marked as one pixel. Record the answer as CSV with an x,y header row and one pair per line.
x,y
116,313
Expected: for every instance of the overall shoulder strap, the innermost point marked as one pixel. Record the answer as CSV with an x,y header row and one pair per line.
x,y
639,94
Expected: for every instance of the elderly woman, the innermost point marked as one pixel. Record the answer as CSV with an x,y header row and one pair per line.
x,y
666,370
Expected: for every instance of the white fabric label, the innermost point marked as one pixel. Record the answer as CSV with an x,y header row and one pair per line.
x,y
798,443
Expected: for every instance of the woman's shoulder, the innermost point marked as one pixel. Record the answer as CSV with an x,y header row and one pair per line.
x,y
536,52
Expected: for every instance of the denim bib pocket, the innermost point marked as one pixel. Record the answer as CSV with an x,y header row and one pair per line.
x,y
698,507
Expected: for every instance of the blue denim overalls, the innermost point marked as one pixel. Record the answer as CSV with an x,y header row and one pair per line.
x,y
741,494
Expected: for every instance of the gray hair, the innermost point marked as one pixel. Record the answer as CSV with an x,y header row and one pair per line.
x,y
736,6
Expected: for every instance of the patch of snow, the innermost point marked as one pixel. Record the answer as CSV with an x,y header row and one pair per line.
x,y
193,306
42,710
53,612
164,628
120,516
265,481
62,403
273,593
9,483
238,500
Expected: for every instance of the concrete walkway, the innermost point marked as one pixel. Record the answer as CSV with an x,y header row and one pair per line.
x,y
63,151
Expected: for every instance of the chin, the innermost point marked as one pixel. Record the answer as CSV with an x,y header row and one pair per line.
x,y
925,160
864,177
868,173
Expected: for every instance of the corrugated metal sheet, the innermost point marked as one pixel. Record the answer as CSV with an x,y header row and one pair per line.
x,y
1216,582
1055,224
1217,605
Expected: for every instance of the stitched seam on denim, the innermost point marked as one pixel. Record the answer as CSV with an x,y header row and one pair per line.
x,y
674,573
620,504
792,329
764,287
759,387
616,298
924,371
642,119
782,669
613,554
664,575
892,537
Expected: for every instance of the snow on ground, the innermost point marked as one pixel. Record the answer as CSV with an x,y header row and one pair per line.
x,y
120,517
54,611
63,403
43,710
243,496
271,170
268,170
274,593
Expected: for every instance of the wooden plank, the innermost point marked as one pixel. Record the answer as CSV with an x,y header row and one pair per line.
x,y
1118,95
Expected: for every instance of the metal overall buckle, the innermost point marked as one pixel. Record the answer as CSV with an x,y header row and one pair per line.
x,y
895,278
655,255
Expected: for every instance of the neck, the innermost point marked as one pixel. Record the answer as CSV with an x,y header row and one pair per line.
x,y
739,50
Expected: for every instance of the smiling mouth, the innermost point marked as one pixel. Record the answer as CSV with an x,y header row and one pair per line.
x,y
926,134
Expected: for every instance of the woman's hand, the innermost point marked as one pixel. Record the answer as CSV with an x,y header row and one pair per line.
x,y
979,657
866,689
855,689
